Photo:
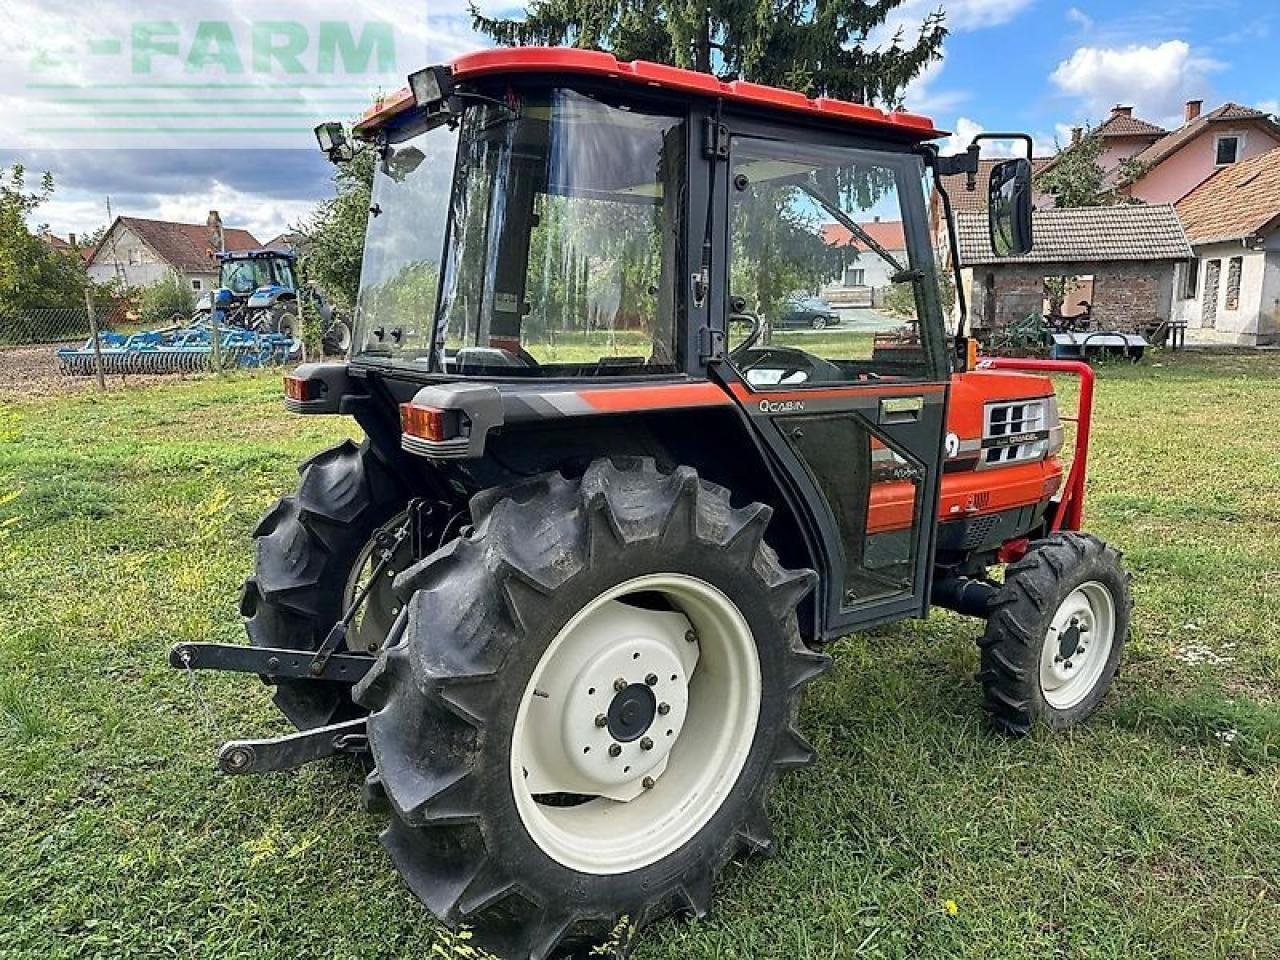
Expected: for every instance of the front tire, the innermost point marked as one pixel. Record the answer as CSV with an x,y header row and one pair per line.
x,y
519,714
307,548
1055,635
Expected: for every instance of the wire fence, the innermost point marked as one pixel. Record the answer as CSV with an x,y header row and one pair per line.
x,y
55,349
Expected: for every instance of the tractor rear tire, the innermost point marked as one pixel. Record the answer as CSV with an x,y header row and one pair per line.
x,y
306,547
467,710
1055,634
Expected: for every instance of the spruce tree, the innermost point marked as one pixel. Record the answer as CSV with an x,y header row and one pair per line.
x,y
819,46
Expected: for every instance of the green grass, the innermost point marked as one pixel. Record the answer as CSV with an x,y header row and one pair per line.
x,y
1152,832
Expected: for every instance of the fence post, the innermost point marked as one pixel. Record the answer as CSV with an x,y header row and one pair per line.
x,y
215,335
97,346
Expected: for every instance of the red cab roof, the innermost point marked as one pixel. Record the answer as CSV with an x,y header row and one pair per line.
x,y
595,64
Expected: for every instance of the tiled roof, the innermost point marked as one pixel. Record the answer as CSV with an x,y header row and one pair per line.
x,y
1085,235
887,233
1228,112
963,199
1122,125
184,246
1238,201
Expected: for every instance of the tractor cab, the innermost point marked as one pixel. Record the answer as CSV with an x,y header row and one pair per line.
x,y
256,278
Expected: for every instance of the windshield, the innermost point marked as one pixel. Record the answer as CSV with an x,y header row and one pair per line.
x,y
564,240
246,276
400,272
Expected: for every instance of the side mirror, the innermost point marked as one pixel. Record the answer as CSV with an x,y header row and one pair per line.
x,y
1009,207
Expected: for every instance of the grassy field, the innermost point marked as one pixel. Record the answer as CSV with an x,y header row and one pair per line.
x,y
1154,832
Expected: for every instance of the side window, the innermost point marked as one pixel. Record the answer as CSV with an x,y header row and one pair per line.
x,y
822,287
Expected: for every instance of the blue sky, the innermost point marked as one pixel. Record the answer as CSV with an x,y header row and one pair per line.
x,y
1040,66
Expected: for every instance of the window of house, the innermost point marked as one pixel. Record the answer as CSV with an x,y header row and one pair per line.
x,y
1227,150
1209,304
197,285
1234,269
135,256
1190,279
855,277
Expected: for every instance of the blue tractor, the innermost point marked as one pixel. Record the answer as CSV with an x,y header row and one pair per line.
x,y
259,290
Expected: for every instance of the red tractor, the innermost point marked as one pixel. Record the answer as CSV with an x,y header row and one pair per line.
x,y
566,593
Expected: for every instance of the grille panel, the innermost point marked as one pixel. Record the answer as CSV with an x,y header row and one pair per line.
x,y
1006,421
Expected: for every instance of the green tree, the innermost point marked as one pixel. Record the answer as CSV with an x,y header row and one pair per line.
x,y
335,232
32,274
167,302
820,47
1076,179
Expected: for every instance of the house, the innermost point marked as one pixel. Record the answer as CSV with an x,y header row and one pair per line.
x,y
1177,163
1229,292
140,253
862,269
1115,263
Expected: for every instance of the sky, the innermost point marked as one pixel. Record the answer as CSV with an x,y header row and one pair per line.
x,y
104,102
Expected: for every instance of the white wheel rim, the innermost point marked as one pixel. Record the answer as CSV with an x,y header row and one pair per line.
x,y
699,659
1085,622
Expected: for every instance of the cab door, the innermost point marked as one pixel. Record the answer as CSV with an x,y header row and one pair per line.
x,y
836,353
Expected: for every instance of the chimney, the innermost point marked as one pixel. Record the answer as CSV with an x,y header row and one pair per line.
x,y
1119,110
71,239
1077,134
1193,109
214,223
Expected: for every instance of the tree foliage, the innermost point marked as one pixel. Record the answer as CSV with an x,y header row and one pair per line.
x,y
818,47
335,232
168,302
1076,179
33,275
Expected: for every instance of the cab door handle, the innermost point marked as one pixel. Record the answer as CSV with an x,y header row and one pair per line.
x,y
901,409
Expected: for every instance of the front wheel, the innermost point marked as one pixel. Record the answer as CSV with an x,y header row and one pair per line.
x,y
585,705
818,323
1056,633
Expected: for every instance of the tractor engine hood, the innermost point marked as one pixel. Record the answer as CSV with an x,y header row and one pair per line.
x,y
267,296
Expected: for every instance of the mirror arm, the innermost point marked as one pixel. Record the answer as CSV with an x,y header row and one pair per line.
x,y
966,163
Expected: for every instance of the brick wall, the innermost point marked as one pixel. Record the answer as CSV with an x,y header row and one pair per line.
x,y
1126,296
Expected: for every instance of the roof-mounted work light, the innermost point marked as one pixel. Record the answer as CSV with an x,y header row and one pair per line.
x,y
333,141
433,88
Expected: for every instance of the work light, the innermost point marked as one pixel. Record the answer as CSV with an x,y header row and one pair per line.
x,y
331,138
431,86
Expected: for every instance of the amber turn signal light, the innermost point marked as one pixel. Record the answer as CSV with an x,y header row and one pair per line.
x,y
302,389
428,423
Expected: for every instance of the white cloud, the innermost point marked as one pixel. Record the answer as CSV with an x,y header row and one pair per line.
x,y
1080,19
1155,79
1270,106
921,95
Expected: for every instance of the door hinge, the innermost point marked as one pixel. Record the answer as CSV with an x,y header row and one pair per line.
x,y
710,345
715,144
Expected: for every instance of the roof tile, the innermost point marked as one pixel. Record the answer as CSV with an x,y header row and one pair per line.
x,y
1238,201
1085,235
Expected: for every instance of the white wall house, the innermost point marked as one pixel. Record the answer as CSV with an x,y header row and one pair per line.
x,y
141,252
1230,292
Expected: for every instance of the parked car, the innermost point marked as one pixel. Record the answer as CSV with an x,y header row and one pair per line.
x,y
813,312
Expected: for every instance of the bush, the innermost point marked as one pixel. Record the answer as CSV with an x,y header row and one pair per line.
x,y
169,301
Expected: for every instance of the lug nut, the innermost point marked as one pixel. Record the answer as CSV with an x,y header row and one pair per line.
x,y
1079,650
1067,664
664,709
651,679
620,684
647,783
601,720
646,743
614,750
690,637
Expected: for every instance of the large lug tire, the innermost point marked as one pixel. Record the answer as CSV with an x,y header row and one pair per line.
x,y
1055,634
563,584
306,548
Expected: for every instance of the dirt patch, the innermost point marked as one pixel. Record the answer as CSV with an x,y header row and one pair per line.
x,y
32,371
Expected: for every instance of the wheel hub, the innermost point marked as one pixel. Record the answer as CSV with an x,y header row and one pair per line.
x,y
1078,645
613,760
631,713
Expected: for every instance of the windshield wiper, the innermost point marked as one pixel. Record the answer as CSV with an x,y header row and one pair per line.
x,y
901,273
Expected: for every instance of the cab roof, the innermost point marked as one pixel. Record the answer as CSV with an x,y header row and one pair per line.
x,y
642,73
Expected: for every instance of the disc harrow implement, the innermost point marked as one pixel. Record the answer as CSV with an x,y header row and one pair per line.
x,y
179,350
